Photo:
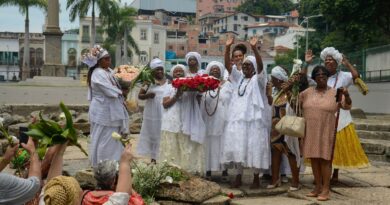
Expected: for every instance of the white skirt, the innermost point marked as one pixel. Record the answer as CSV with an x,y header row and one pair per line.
x,y
247,143
103,146
177,148
213,146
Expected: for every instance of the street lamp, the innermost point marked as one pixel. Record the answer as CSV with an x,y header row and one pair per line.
x,y
8,57
306,20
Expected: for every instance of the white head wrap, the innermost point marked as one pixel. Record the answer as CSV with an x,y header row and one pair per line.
x,y
96,53
215,63
252,59
279,73
178,66
193,54
156,63
331,51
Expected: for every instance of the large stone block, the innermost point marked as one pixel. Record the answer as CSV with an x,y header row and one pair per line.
x,y
358,113
194,190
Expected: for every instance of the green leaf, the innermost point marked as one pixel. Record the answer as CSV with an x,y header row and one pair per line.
x,y
36,134
68,116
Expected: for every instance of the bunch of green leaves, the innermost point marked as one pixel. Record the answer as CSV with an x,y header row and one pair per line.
x,y
49,133
148,177
10,138
145,76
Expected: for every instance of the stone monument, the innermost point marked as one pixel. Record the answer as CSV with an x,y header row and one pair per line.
x,y
53,34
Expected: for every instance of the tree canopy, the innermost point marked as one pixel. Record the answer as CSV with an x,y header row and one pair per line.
x,y
266,7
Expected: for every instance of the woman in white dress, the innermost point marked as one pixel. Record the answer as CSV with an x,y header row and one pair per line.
x,y
149,142
246,142
214,106
171,148
107,112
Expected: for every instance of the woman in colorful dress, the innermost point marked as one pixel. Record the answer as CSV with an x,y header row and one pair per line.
x,y
348,153
282,144
107,111
246,142
214,105
319,110
149,142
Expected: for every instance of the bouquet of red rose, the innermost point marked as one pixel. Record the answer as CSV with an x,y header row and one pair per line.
x,y
199,83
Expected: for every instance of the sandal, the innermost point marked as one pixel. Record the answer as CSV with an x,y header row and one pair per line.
x,y
322,198
312,194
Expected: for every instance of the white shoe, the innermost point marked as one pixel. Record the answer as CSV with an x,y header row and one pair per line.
x,y
273,186
294,188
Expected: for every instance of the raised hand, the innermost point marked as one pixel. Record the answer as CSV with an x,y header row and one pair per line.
x,y
309,56
229,40
345,61
253,41
30,146
127,154
151,95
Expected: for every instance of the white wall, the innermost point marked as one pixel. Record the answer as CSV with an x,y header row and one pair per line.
x,y
13,45
378,61
376,101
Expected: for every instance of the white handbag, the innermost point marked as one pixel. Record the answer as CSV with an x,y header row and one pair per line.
x,y
293,126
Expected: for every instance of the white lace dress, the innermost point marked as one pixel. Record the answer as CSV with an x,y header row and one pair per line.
x,y
214,106
247,141
149,141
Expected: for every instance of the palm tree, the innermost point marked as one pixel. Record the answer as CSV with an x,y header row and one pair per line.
x,y
24,6
80,8
117,23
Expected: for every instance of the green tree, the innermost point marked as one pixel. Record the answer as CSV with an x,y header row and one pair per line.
x,y
24,6
266,7
349,25
117,22
79,8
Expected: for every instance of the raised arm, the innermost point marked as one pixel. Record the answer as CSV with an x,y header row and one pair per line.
x,y
228,63
353,70
35,163
57,161
308,60
124,176
253,42
143,95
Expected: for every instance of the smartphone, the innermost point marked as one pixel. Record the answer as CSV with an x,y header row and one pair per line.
x,y
23,138
338,94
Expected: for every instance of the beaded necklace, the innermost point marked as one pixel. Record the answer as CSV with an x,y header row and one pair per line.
x,y
239,87
216,106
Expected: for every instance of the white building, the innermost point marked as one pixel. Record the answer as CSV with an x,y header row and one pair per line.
x,y
85,33
151,40
9,56
70,53
236,23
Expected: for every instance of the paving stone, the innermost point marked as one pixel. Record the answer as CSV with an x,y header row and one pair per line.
x,y
217,200
263,191
380,135
236,192
377,147
376,179
374,195
280,200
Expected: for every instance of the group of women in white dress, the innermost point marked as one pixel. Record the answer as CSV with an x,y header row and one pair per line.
x,y
231,127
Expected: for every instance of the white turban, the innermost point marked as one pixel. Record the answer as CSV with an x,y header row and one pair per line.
x,y
279,73
103,54
156,63
178,66
330,51
193,54
252,59
215,63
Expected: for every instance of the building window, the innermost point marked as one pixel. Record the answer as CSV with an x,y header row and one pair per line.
x,y
204,52
235,27
143,57
245,18
156,38
235,18
170,47
143,34
182,48
72,57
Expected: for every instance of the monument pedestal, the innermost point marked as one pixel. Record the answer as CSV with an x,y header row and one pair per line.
x,y
53,70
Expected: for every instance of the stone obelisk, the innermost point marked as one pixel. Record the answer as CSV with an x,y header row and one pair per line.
x,y
53,34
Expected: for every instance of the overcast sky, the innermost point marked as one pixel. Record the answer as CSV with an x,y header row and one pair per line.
x,y
12,20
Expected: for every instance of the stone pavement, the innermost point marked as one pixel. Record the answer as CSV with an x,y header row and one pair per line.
x,y
356,187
